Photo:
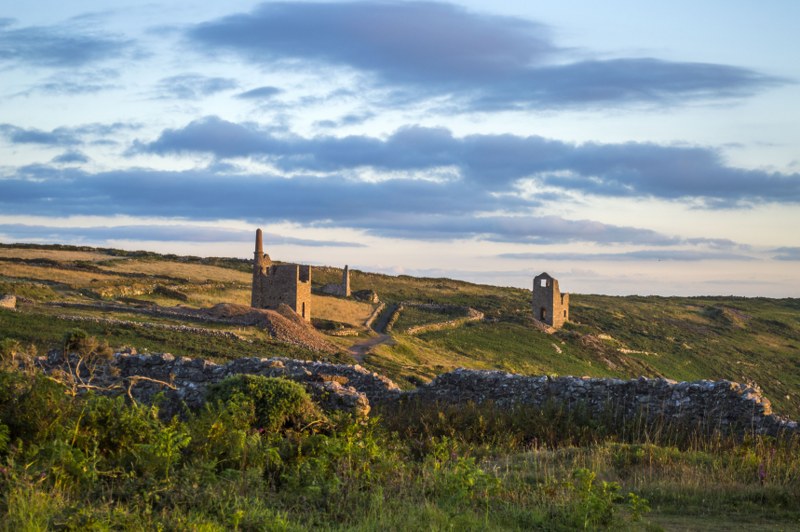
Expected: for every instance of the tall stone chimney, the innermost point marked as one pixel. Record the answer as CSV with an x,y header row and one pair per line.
x,y
346,281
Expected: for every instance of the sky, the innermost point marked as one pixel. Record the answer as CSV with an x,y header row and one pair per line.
x,y
624,147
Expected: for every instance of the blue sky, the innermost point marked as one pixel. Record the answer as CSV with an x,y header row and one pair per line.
x,y
623,147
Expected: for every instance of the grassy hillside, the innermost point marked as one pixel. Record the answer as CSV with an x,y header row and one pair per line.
x,y
741,339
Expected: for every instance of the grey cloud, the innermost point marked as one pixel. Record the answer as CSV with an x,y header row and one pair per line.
x,y
395,208
193,86
70,83
58,46
57,137
648,255
157,233
260,93
495,162
518,228
346,120
787,253
63,136
71,157
487,62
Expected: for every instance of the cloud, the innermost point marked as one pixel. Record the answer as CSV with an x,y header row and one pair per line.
x,y
787,253
486,62
58,46
63,136
517,228
193,86
71,83
399,208
71,157
153,233
57,137
644,255
260,93
496,162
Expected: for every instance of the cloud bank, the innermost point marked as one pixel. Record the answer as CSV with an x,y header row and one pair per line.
x,y
495,162
486,62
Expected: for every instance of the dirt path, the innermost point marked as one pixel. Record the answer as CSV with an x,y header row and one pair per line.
x,y
360,349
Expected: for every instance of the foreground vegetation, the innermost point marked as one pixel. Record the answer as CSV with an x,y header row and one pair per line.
x,y
261,456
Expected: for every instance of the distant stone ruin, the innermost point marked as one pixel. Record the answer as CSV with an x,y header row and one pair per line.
x,y
550,306
339,289
277,284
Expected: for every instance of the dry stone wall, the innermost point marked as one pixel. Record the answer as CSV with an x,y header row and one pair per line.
x,y
184,381
721,405
472,315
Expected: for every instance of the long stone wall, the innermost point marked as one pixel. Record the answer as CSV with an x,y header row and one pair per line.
x,y
711,405
721,405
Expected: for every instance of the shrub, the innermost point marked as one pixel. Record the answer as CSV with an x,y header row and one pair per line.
x,y
84,345
277,403
33,407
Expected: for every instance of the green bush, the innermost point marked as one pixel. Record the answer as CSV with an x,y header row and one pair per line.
x,y
277,403
84,345
33,407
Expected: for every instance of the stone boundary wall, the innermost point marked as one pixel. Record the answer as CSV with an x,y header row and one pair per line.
x,y
374,315
162,326
185,380
186,314
472,315
721,405
393,318
706,405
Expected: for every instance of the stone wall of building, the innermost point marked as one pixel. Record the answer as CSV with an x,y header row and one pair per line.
x,y
549,305
280,284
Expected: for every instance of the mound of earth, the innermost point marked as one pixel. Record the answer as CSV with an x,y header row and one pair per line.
x,y
283,324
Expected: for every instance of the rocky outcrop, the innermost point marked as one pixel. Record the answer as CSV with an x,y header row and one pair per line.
x,y
712,405
368,296
8,301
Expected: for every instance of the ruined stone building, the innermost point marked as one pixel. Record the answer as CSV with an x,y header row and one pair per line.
x,y
339,289
274,284
550,306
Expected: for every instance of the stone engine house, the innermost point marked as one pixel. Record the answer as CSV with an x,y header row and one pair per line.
x,y
274,284
550,306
